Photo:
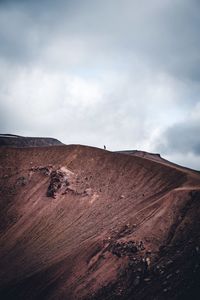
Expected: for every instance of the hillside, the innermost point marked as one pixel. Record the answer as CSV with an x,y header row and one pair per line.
x,y
82,223
10,140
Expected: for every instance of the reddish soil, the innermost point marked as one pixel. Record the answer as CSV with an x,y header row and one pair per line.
x,y
82,223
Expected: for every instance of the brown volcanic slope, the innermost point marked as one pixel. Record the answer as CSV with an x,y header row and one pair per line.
x,y
83,223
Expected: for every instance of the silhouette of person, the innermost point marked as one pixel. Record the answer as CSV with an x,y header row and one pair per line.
x,y
104,147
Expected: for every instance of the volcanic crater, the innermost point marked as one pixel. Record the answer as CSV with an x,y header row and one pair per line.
x,y
79,222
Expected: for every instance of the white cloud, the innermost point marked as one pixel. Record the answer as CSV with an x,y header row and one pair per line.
x,y
123,109
99,72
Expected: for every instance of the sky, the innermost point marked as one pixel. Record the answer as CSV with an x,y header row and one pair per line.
x,y
120,73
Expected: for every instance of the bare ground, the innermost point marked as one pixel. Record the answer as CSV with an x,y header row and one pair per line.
x,y
83,223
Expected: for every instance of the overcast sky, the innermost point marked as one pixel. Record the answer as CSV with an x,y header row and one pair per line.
x,y
124,73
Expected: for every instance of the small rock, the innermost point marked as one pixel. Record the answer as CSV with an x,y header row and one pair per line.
x,y
169,262
136,281
21,181
147,239
88,192
157,267
147,262
134,259
141,245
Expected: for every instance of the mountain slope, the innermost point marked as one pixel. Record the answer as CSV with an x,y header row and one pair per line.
x,y
10,140
83,223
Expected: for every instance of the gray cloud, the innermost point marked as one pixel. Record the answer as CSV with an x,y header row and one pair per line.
x,y
181,142
125,73
163,34
182,138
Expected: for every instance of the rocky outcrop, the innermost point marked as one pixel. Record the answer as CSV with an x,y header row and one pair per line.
x,y
58,180
126,248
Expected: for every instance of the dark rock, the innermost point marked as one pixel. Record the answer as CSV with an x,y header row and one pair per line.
x,y
136,282
58,179
21,181
147,279
169,262
124,248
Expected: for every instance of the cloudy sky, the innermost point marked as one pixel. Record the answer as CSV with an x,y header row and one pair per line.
x,y
124,73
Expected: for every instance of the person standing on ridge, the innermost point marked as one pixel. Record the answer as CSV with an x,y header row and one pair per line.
x,y
104,147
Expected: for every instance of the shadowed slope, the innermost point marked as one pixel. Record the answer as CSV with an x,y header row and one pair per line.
x,y
10,140
110,220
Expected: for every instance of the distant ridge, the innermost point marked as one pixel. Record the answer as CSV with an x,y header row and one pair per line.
x,y
11,140
140,153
